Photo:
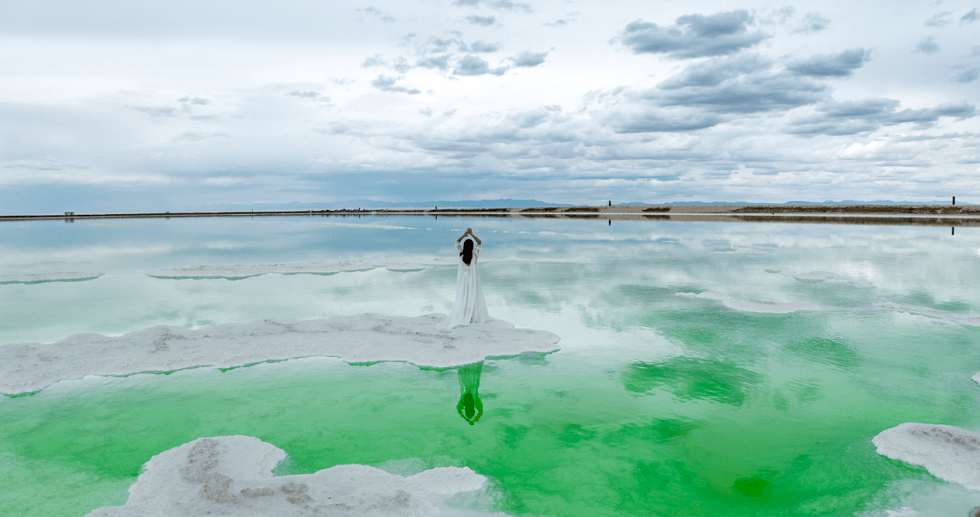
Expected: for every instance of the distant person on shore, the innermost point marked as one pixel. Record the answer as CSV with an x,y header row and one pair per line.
x,y
470,308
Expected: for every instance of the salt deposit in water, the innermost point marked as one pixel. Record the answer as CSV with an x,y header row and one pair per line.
x,y
814,276
362,338
40,278
966,319
947,452
808,277
751,305
232,475
743,250
921,497
239,271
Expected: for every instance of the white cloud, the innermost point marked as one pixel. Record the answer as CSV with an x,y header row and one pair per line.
x,y
660,101
373,13
927,45
387,84
812,22
481,20
529,59
694,35
970,17
473,65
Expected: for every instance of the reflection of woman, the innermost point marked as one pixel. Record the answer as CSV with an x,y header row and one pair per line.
x,y
470,307
469,406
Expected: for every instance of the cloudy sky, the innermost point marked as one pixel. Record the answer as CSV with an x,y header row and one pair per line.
x,y
119,105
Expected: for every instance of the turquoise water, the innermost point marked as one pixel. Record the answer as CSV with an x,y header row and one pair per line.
x,y
659,402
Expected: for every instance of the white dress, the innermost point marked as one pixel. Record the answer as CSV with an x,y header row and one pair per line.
x,y
470,308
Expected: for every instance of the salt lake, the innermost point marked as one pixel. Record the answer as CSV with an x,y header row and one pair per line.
x,y
703,368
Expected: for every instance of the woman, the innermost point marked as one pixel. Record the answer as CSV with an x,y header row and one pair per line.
x,y
470,307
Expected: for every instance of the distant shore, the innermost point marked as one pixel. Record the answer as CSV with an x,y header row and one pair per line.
x,y
917,215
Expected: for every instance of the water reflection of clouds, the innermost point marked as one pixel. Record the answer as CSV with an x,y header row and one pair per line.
x,y
884,258
577,269
760,306
687,362
44,261
368,226
225,245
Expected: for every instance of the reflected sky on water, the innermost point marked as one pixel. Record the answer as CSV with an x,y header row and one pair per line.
x,y
679,385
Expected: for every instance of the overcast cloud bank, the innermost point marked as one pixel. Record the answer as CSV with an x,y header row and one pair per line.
x,y
484,99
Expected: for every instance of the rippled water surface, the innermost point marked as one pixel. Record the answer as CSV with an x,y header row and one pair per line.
x,y
706,368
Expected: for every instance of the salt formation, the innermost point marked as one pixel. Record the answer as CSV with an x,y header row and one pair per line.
x,y
232,475
742,250
40,278
976,378
947,452
238,272
809,277
751,305
921,497
965,319
361,338
814,276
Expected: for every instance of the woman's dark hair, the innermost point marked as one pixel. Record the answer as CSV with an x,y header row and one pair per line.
x,y
467,252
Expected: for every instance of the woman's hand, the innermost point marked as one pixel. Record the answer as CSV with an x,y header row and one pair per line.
x,y
469,231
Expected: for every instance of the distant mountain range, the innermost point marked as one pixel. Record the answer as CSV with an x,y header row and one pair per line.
x,y
523,203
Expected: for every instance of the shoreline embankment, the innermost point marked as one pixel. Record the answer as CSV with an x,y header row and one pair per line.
x,y
914,215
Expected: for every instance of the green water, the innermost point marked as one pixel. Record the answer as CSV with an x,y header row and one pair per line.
x,y
657,404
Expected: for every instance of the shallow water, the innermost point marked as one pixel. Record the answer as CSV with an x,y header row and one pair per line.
x,y
659,402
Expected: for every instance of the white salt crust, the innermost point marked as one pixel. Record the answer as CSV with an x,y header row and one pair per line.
x,y
806,277
743,250
241,271
292,268
976,378
361,338
921,497
947,452
751,305
540,260
965,319
814,276
232,475
40,278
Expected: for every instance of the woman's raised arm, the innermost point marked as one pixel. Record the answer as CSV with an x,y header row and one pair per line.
x,y
477,239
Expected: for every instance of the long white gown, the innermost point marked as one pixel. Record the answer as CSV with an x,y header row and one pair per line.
x,y
470,308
